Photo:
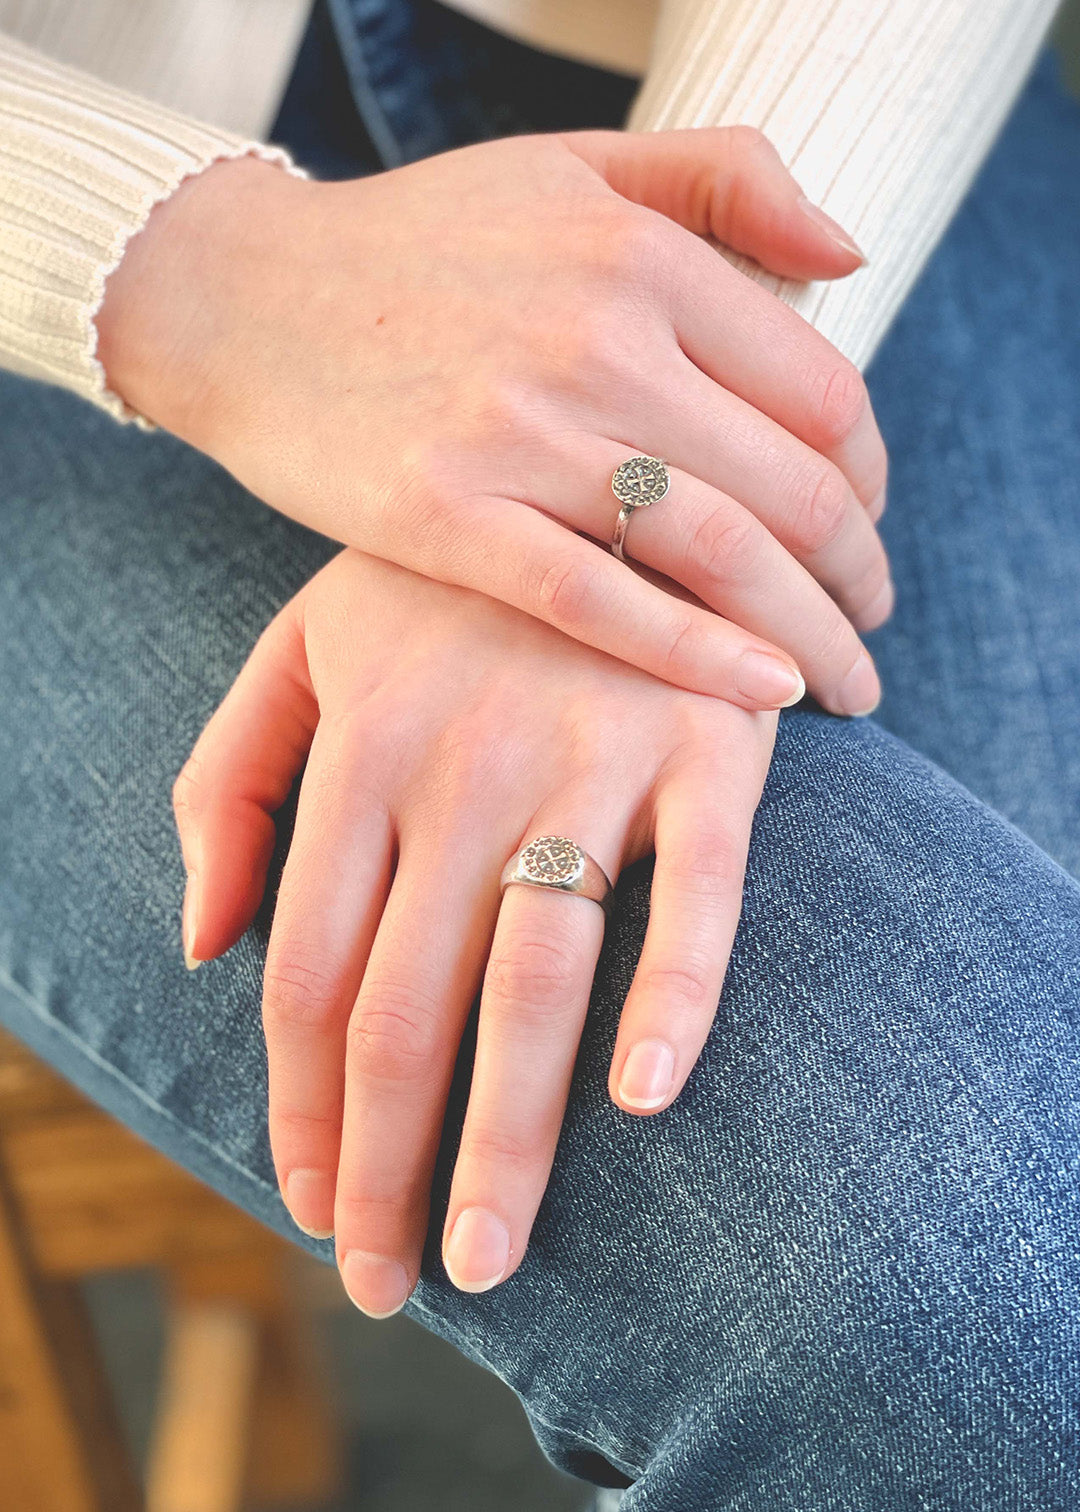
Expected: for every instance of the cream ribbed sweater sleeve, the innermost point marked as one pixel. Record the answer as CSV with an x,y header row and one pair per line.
x,y
883,111
81,166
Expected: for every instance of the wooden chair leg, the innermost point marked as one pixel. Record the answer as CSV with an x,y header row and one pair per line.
x,y
198,1460
296,1455
61,1447
245,1419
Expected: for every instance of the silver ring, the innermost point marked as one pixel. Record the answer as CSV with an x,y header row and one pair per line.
x,y
637,482
556,862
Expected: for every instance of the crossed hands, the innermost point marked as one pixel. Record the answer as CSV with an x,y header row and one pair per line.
x,y
441,367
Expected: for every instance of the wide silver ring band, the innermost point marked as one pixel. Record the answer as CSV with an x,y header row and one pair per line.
x,y
637,482
561,865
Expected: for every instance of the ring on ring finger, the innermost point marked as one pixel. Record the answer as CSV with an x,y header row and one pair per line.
x,y
636,483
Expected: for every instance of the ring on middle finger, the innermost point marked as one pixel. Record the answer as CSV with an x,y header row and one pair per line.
x,y
636,483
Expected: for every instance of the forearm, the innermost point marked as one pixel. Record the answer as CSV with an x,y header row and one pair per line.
x,y
883,112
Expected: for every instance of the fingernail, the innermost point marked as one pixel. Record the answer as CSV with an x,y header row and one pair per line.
x,y
860,691
768,681
876,507
187,924
829,226
478,1250
375,1284
647,1074
879,608
309,1196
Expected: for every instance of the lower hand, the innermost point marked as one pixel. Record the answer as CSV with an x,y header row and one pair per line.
x,y
441,732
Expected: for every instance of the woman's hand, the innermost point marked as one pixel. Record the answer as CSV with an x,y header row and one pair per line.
x,y
442,731
443,365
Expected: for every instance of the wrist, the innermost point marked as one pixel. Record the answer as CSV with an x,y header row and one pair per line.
x,y
172,301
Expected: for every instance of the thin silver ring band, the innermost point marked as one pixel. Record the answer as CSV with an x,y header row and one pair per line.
x,y
636,483
623,519
560,865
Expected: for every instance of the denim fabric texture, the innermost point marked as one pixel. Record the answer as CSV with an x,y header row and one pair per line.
x,y
842,1272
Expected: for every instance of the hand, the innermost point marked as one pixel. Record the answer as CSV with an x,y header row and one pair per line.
x,y
442,731
443,365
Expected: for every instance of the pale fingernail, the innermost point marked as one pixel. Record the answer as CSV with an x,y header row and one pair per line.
x,y
767,680
375,1284
876,507
879,608
860,691
647,1074
187,923
478,1250
834,231
309,1196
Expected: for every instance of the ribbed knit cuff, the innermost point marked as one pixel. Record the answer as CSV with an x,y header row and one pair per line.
x,y
882,112
82,164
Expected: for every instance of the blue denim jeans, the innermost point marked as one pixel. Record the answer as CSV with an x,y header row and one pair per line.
x,y
842,1272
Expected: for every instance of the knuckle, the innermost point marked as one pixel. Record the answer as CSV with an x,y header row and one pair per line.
x,y
392,1035
836,643
749,138
433,476
565,592
707,864
821,519
361,1210
876,478
503,409
531,973
725,544
866,587
596,347
494,1145
297,992
688,985
680,657
843,398
188,789
302,1127
629,249
632,259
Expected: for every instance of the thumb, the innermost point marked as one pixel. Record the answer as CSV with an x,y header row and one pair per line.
x,y
728,182
237,776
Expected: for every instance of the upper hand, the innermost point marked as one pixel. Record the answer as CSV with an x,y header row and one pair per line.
x,y
443,365
442,731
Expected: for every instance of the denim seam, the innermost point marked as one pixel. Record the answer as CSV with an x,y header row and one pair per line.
x,y
87,1050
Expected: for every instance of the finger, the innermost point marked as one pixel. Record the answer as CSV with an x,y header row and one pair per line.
x,y
534,1001
728,182
702,539
401,1044
238,774
751,343
533,562
703,821
332,893
801,497
718,550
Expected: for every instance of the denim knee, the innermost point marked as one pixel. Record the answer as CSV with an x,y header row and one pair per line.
x,y
847,1256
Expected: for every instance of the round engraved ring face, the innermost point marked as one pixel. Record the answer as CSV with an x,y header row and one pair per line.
x,y
552,861
639,481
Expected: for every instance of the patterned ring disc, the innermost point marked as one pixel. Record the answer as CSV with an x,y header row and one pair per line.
x,y
552,860
639,481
